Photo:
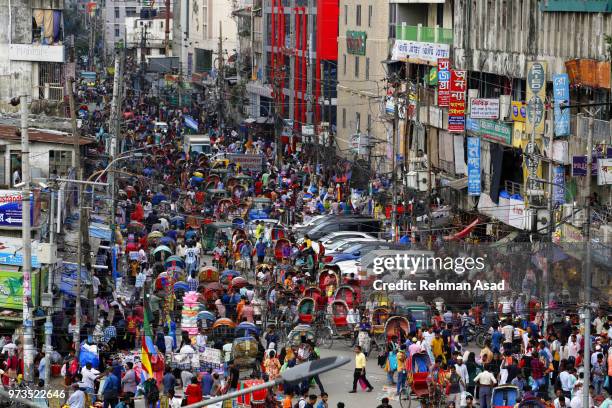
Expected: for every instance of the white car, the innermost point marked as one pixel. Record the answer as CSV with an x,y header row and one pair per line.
x,y
333,237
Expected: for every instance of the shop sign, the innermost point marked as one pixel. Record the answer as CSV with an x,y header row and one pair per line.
x,y
359,143
11,252
11,209
419,51
36,53
536,95
443,82
561,96
11,289
579,163
558,185
481,108
519,113
456,111
473,157
356,42
496,131
604,172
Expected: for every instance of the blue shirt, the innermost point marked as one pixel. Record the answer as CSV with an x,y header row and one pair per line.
x,y
207,383
169,382
496,339
109,333
112,383
260,247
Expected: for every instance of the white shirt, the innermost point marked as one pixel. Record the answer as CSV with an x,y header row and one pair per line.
x,y
427,338
168,341
187,349
485,378
567,380
557,405
95,284
463,372
89,376
508,332
76,400
577,400
227,350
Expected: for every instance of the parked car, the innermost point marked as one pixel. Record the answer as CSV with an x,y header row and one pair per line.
x,y
330,239
336,224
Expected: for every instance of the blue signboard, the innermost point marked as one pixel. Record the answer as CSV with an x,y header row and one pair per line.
x,y
11,208
558,185
561,96
473,163
472,125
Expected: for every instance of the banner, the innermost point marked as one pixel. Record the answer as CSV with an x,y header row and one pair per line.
x,y
11,252
536,95
11,208
456,111
604,174
484,108
561,96
473,165
421,51
443,82
11,289
558,185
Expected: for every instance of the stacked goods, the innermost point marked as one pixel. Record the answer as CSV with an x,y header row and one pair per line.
x,y
189,315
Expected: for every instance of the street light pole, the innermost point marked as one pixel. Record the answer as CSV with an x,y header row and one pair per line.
x,y
26,235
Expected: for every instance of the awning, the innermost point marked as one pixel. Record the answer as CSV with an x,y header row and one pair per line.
x,y
505,240
100,231
458,184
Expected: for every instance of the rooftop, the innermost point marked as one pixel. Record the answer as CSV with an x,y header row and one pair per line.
x,y
7,132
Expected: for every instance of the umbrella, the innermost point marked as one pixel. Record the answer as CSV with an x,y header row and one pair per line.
x,y
181,286
248,328
162,248
230,272
198,174
155,234
177,218
135,225
214,286
174,261
239,282
167,241
206,315
197,179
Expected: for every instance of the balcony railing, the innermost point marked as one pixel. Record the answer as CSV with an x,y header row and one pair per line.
x,y
424,34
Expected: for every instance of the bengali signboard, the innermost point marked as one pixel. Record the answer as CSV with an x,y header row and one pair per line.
x,y
444,77
473,157
252,162
536,96
481,108
558,185
561,94
11,209
456,111
490,130
356,42
419,51
519,111
579,163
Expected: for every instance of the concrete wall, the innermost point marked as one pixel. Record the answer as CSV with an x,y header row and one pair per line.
x,y
39,157
356,94
500,36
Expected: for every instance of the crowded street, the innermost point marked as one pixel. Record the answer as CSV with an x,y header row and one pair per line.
x,y
201,207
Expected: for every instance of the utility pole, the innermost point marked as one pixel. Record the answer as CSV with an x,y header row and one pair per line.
x,y
143,46
77,162
393,165
167,33
48,322
26,235
114,131
278,121
587,278
221,78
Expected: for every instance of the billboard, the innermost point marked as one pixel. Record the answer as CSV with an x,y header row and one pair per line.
x,y
481,108
11,252
536,96
11,289
561,93
473,157
253,162
11,208
443,82
456,111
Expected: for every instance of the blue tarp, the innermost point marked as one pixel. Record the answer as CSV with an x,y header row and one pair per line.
x,y
68,278
100,231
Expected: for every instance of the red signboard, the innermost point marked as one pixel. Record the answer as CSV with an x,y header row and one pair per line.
x,y
456,110
444,82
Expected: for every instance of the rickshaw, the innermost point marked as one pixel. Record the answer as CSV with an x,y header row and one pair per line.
x,y
135,226
260,208
161,252
264,267
379,317
211,233
328,282
223,329
306,310
380,299
238,235
208,274
212,292
174,261
213,178
239,282
223,206
207,317
315,293
154,236
505,396
397,326
339,311
245,329
244,352
278,232
227,275
238,192
348,294
282,246
301,330
418,366
231,182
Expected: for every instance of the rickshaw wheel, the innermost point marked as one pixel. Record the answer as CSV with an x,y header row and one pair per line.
x,y
325,338
405,399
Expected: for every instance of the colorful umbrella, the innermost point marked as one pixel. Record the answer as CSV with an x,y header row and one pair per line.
x,y
162,248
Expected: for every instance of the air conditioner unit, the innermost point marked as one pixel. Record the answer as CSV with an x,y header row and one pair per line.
x,y
411,180
505,105
422,180
47,253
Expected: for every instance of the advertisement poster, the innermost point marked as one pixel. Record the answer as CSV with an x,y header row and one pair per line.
x,y
536,96
558,185
473,165
481,108
11,209
416,51
456,111
604,172
11,252
519,113
11,289
561,96
444,82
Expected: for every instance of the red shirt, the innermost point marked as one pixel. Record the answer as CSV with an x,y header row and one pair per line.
x,y
193,393
537,368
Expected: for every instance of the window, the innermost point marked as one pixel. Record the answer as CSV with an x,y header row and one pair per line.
x,y
344,64
343,118
60,161
370,10
130,11
357,122
358,15
367,69
345,14
117,31
392,19
356,67
369,129
117,13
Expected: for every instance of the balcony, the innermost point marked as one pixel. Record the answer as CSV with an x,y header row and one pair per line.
x,y
424,34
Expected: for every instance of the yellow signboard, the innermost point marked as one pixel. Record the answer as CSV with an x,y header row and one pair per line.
x,y
536,96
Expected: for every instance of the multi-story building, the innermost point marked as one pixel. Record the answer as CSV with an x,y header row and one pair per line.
x,y
115,14
363,48
33,53
294,71
147,35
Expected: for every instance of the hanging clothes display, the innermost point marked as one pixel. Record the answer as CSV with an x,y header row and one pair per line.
x,y
48,25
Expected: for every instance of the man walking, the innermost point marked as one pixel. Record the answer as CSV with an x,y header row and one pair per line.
x,y
360,370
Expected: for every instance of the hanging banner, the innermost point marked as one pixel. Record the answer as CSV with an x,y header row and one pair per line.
x,y
444,78
481,108
416,51
473,164
456,111
536,95
604,172
561,96
558,185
